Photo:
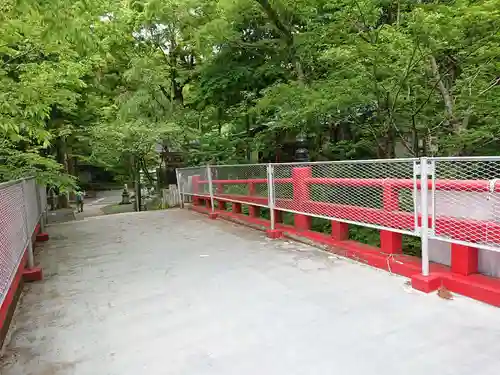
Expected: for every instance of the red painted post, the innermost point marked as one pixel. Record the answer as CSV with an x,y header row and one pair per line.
x,y
221,205
301,196
236,208
254,211
251,188
278,216
219,188
390,197
208,204
195,181
340,231
390,242
464,259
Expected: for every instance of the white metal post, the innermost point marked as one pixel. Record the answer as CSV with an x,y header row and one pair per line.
x,y
31,259
415,195
424,209
210,188
42,221
40,208
181,196
432,172
270,193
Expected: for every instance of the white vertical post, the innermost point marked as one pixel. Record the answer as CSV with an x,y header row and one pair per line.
x,y
415,195
424,208
181,196
29,232
270,193
432,172
40,207
210,188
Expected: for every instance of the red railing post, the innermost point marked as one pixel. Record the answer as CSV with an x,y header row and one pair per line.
x,y
340,231
253,211
464,259
390,242
301,196
195,181
219,190
278,216
251,188
236,208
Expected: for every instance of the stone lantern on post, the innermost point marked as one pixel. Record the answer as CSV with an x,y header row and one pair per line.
x,y
301,151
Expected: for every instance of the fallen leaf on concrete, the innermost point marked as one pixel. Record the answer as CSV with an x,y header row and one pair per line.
x,y
444,293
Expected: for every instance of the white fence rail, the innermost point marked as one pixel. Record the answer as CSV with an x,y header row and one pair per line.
x,y
22,204
455,200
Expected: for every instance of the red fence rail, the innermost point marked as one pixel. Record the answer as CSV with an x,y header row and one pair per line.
x,y
389,216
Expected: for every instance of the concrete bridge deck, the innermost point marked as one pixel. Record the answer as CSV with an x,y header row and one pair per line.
x,y
170,292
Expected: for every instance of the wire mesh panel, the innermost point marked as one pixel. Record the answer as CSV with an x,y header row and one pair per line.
x,y
13,235
30,190
246,183
193,181
465,196
377,193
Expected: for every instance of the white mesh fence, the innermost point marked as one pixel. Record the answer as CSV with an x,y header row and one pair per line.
x,y
245,183
375,193
20,211
465,201
193,181
30,192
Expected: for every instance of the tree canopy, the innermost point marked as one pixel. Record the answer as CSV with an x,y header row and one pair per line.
x,y
222,81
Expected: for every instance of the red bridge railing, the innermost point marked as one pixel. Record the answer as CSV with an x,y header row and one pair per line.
x,y
392,205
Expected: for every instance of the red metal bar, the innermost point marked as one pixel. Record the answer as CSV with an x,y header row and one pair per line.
x,y
443,185
463,229
249,180
244,198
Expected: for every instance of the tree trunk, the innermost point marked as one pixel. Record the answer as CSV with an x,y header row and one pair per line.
x,y
219,119
445,93
62,158
247,126
287,35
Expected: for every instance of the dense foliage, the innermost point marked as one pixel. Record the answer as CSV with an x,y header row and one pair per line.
x,y
104,82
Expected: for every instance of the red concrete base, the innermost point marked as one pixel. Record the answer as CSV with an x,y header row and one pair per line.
x,y
9,303
274,233
464,259
42,237
212,215
479,287
33,274
426,284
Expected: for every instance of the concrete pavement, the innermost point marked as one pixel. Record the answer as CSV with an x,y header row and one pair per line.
x,y
171,292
